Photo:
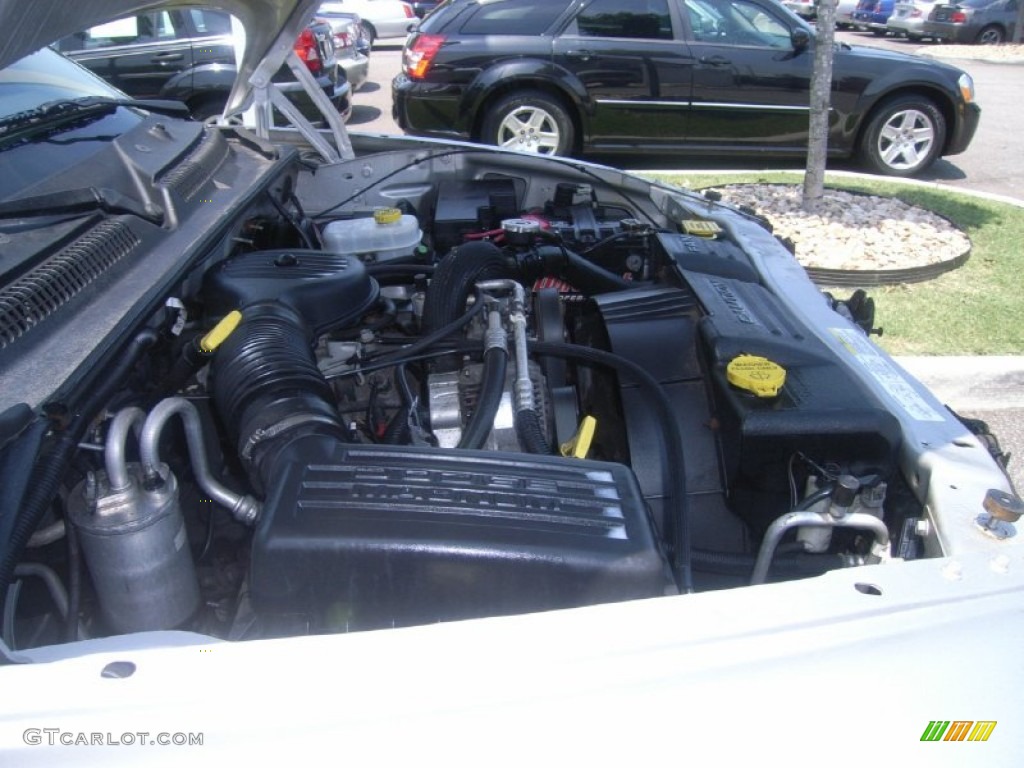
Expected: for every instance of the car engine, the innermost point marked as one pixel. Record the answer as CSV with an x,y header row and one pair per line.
x,y
460,401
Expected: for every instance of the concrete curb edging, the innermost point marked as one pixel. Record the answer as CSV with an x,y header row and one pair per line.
x,y
971,383
841,174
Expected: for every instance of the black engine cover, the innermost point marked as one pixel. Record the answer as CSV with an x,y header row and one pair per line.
x,y
359,537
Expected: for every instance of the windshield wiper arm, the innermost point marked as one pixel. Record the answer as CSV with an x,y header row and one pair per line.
x,y
84,200
52,112
161,106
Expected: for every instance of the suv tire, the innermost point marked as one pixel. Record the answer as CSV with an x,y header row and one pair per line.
x,y
903,136
529,121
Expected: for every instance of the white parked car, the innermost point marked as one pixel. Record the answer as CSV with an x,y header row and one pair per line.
x,y
844,14
376,450
382,19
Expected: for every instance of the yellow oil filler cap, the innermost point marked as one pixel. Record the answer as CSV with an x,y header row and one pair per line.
x,y
387,215
758,375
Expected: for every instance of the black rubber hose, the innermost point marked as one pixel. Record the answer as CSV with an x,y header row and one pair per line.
x,y
531,435
590,278
397,432
819,495
455,277
266,384
50,468
673,468
581,273
491,390
74,580
425,342
191,359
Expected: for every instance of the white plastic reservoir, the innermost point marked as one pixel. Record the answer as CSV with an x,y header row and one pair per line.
x,y
389,234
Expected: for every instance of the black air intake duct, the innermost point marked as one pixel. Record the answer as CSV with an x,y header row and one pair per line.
x,y
268,388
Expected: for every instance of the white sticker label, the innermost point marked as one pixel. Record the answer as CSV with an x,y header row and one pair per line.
x,y
892,381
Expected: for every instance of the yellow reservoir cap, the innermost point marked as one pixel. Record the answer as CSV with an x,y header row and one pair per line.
x,y
758,375
220,331
701,228
387,215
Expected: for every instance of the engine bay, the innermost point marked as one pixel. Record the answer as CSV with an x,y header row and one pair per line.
x,y
458,395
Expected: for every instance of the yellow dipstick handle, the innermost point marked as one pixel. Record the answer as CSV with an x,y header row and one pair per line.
x,y
579,446
220,331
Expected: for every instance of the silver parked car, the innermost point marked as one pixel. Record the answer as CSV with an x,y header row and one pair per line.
x,y
908,18
382,19
844,14
986,22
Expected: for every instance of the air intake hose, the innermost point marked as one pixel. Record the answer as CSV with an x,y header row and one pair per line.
x,y
268,388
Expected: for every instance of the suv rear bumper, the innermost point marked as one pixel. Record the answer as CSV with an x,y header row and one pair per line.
x,y
426,109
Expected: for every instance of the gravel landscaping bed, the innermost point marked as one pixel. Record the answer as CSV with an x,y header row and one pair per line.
x,y
1006,53
852,231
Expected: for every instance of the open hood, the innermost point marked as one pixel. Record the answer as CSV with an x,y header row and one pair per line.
x,y
271,27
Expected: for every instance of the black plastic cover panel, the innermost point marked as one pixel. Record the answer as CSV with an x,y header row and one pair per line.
x,y
471,206
328,290
358,537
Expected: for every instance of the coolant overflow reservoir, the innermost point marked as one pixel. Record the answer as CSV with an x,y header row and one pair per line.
x,y
389,234
757,375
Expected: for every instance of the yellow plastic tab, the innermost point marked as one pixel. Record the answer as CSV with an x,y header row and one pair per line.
x,y
701,228
758,375
387,215
579,446
220,331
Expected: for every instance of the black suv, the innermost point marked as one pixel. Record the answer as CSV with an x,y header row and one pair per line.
x,y
188,55
724,76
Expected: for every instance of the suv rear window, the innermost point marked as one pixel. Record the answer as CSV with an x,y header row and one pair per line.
x,y
524,17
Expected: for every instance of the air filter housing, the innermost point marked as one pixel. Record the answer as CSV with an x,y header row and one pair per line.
x,y
328,290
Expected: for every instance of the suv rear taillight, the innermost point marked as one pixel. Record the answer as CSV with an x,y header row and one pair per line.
x,y
419,55
409,12
306,49
958,17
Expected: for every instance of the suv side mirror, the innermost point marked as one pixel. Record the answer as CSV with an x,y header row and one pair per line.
x,y
800,38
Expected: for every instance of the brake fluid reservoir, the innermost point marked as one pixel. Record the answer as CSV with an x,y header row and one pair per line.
x,y
389,234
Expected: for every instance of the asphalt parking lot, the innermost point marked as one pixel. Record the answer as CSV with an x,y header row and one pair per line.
x,y
992,165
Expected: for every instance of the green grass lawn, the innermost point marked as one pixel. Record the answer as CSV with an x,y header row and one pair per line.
x,y
975,310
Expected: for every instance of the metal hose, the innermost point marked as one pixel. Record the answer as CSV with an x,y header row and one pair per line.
x,y
244,508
